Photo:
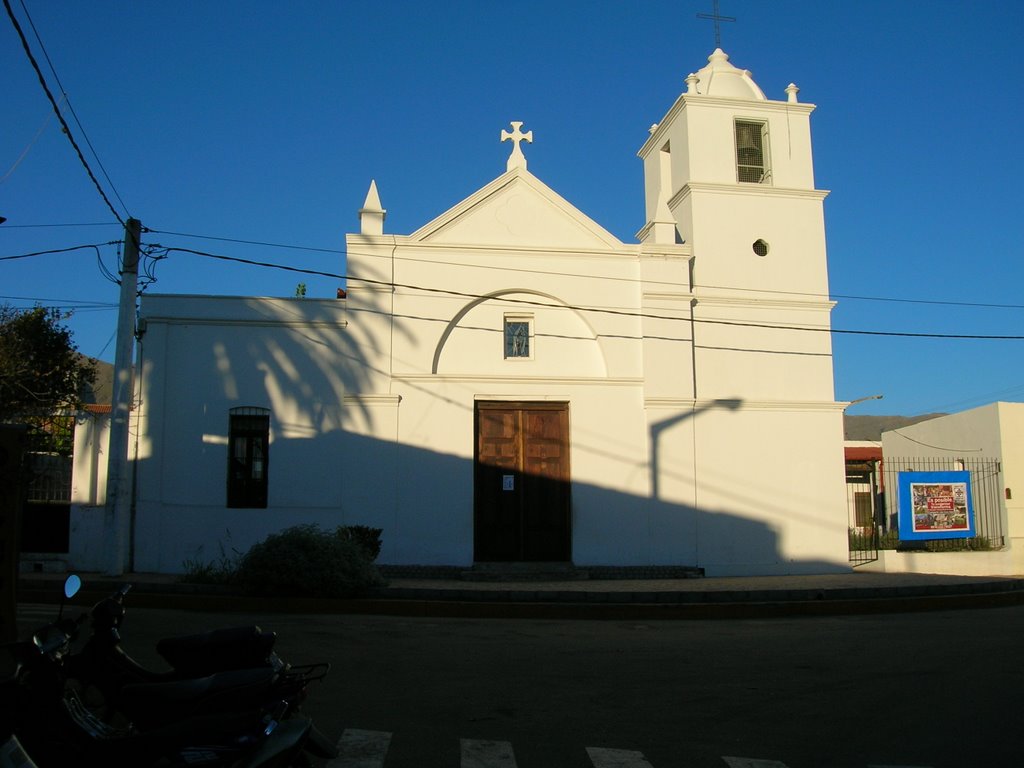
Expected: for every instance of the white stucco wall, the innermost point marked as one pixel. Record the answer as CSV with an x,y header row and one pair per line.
x,y
202,356
703,426
86,536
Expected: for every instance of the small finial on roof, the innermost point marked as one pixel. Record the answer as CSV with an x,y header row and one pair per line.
x,y
517,159
371,215
792,90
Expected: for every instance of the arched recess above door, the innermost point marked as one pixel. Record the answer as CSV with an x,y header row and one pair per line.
x,y
564,343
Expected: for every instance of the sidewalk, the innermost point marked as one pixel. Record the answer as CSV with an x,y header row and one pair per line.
x,y
737,597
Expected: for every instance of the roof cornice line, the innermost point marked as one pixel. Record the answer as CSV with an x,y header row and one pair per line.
x,y
657,137
758,190
752,301
740,404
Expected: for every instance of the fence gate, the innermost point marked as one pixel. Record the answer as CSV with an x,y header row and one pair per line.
x,y
866,510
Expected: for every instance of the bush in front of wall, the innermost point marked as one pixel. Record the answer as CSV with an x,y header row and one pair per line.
x,y
368,539
305,560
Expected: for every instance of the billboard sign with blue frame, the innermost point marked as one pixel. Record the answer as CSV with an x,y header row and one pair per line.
x,y
935,505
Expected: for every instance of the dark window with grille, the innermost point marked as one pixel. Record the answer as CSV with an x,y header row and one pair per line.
x,y
248,455
751,152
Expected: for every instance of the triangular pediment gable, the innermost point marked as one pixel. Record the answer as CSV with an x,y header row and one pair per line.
x,y
516,210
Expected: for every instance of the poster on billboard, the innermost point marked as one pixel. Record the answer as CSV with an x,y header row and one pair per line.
x,y
935,505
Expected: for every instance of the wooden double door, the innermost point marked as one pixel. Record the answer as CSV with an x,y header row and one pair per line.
x,y
521,482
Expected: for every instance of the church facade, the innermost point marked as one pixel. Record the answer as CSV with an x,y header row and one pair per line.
x,y
512,383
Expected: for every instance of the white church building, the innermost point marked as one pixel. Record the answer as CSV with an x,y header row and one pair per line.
x,y
511,383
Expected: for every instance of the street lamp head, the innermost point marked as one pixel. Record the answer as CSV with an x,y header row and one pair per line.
x,y
862,399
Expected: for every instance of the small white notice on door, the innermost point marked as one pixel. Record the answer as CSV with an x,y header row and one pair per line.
x,y
508,482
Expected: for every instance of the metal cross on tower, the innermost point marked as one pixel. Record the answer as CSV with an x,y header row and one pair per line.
x,y
717,18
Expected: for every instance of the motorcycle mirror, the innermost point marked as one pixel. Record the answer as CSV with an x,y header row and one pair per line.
x,y
72,584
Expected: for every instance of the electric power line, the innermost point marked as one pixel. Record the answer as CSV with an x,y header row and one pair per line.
x,y
597,310
28,148
66,98
95,246
56,109
63,303
245,242
41,226
519,269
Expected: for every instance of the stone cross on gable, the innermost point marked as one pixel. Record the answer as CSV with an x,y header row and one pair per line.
x,y
517,159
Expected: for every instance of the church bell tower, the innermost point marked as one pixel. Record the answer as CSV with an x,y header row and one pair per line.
x,y
729,172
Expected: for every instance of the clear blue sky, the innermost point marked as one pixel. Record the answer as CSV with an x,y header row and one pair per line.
x,y
266,121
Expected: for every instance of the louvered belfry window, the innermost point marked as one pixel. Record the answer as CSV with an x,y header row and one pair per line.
x,y
752,152
248,457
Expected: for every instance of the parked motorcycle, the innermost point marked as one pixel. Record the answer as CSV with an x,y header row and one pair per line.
x,y
233,669
190,656
49,720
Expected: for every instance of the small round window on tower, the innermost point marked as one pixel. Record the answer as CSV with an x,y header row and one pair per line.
x,y
761,247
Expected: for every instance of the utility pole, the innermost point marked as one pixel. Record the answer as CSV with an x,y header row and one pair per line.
x,y
117,514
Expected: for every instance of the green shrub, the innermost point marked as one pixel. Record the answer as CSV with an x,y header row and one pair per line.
x,y
202,572
221,571
366,538
889,539
973,544
304,560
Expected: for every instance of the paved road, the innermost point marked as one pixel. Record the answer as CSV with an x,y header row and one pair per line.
x,y
939,689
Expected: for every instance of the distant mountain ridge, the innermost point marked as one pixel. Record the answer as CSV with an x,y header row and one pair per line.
x,y
872,427
102,390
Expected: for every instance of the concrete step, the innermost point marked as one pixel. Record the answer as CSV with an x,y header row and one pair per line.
x,y
525,572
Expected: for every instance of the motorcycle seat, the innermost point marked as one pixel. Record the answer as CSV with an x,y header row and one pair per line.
x,y
151,704
218,649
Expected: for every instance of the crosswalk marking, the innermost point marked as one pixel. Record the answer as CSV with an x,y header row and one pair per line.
x,y
487,754
617,758
368,749
361,749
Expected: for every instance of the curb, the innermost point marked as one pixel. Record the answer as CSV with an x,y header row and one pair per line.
x,y
560,604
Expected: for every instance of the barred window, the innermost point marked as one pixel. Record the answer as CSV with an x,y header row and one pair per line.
x,y
248,457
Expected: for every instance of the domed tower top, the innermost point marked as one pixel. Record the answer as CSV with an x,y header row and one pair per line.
x,y
720,78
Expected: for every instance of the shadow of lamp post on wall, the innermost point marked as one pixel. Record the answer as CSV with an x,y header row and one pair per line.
x,y
657,429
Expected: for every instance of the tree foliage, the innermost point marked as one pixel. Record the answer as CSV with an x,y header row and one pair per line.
x,y
41,372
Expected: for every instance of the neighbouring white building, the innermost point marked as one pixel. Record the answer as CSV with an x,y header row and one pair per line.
x,y
512,383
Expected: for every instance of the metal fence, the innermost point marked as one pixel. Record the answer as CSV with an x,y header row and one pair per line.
x,y
986,497
873,505
49,478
